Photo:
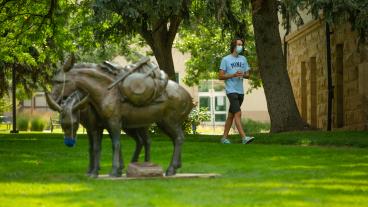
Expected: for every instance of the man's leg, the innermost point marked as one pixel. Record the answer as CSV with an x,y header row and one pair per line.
x,y
233,109
228,123
237,119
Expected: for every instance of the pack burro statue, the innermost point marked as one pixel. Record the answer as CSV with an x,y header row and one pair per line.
x,y
130,98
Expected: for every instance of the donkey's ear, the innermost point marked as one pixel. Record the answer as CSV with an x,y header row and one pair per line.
x,y
69,63
82,104
52,103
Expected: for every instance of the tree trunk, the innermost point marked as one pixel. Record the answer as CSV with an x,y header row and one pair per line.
x,y
163,54
281,104
161,39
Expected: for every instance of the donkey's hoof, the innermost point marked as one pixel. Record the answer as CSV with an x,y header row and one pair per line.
x,y
115,174
170,171
93,175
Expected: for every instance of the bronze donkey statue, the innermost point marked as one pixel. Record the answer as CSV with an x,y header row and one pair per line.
x,y
168,114
75,109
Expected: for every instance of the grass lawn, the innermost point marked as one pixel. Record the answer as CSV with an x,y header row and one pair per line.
x,y
308,169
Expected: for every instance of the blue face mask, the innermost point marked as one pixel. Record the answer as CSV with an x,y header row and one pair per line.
x,y
239,49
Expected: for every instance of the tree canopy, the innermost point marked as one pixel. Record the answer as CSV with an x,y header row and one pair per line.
x,y
156,21
207,44
35,36
335,12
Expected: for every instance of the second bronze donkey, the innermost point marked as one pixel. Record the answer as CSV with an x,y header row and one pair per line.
x,y
75,110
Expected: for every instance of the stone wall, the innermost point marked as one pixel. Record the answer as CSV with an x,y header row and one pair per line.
x,y
307,69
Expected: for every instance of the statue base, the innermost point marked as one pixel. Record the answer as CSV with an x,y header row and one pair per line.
x,y
145,169
177,176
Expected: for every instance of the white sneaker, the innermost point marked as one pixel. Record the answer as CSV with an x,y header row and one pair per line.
x,y
225,141
247,140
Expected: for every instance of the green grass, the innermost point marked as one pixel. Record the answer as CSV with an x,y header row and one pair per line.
x,y
253,126
38,170
307,138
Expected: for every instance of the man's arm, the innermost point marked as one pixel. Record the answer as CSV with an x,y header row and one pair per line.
x,y
224,76
246,75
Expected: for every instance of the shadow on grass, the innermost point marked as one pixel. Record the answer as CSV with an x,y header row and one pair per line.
x,y
41,170
304,138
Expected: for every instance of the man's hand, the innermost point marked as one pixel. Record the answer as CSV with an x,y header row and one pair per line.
x,y
224,76
246,75
239,74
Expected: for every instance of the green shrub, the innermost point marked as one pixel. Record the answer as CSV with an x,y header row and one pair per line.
x,y
195,118
23,123
153,129
37,124
251,126
5,104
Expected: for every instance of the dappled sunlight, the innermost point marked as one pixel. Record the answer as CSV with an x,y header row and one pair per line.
x,y
346,185
338,181
19,139
278,158
307,167
44,194
26,189
34,162
355,165
333,191
355,174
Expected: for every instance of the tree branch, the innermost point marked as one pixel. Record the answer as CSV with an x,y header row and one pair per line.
x,y
49,14
146,34
20,14
174,26
2,5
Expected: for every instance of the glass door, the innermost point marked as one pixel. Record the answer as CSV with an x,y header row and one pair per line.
x,y
213,97
219,108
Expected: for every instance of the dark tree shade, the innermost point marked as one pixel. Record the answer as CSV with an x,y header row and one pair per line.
x,y
156,21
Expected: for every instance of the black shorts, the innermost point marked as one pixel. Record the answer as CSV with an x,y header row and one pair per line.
x,y
236,101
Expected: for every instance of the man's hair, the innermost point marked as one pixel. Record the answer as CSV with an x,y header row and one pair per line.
x,y
233,43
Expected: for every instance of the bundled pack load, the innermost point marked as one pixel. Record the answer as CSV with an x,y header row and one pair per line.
x,y
141,83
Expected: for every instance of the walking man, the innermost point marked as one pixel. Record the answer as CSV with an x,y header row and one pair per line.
x,y
234,67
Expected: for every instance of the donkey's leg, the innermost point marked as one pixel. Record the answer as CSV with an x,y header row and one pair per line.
x,y
143,133
138,143
117,160
90,152
98,133
175,132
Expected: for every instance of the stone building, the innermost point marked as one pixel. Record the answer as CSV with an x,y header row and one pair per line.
x,y
307,68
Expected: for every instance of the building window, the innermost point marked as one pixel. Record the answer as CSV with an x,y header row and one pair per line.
x,y
204,86
303,91
205,101
313,91
339,86
212,95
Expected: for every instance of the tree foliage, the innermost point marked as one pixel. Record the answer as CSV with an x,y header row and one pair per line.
x,y
35,37
23,37
5,104
156,21
335,12
207,42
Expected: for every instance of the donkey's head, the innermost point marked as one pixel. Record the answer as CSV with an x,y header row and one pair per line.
x,y
62,86
69,114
